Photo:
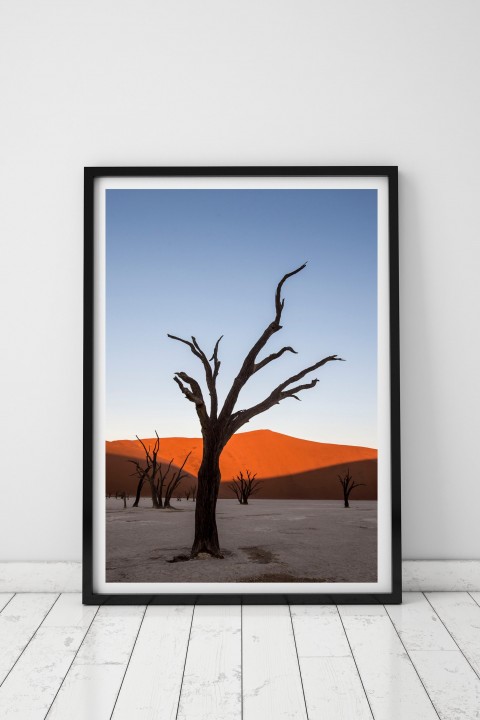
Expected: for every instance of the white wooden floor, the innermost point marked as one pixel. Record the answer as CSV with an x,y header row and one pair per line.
x,y
60,660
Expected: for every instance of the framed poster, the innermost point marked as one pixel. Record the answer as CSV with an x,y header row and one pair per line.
x,y
241,432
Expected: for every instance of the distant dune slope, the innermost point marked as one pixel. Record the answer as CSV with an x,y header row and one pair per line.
x,y
290,467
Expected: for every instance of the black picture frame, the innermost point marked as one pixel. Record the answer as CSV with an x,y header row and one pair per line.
x,y
91,175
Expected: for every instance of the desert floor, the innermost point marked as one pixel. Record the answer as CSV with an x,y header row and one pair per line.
x,y
265,541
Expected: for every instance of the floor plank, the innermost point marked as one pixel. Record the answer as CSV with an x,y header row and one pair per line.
x,y
418,625
19,621
32,684
451,683
212,682
297,662
5,599
92,684
393,687
272,686
461,616
319,631
151,687
331,682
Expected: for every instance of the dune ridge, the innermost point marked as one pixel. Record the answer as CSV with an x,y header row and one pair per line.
x,y
289,467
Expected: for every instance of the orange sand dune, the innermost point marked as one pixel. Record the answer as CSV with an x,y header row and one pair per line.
x,y
269,454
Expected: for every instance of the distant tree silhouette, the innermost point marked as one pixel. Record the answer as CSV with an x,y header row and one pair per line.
x,y
218,427
190,492
174,482
346,481
157,476
153,465
243,487
142,474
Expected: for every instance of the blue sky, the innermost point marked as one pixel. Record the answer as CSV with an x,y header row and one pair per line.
x,y
206,263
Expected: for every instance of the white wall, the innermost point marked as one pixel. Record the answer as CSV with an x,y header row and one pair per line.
x,y
145,82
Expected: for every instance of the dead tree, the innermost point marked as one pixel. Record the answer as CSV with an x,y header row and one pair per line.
x,y
142,474
243,486
175,482
160,482
151,457
346,481
194,493
187,493
219,426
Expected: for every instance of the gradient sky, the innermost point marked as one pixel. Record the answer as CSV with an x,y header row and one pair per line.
x,y
206,263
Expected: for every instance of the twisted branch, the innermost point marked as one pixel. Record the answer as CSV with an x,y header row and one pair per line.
x,y
280,393
248,366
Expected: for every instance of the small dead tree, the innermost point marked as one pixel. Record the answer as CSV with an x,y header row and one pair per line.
x,y
175,482
142,474
218,425
160,482
152,461
243,486
190,492
347,483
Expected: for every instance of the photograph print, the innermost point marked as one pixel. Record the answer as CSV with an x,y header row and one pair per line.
x,y
242,373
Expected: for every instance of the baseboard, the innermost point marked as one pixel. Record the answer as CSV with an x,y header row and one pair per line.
x,y
40,577
418,575
441,575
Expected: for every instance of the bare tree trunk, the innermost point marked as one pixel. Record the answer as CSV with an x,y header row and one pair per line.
x,y
206,535
139,492
153,490
219,425
346,503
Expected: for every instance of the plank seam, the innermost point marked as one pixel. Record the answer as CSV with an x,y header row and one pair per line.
x,y
470,593
412,663
128,662
73,660
355,661
453,638
298,662
31,638
185,662
9,601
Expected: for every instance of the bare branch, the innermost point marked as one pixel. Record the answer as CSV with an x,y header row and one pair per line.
x,y
248,365
175,481
279,303
280,393
214,358
210,375
273,356
147,452
196,396
186,342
